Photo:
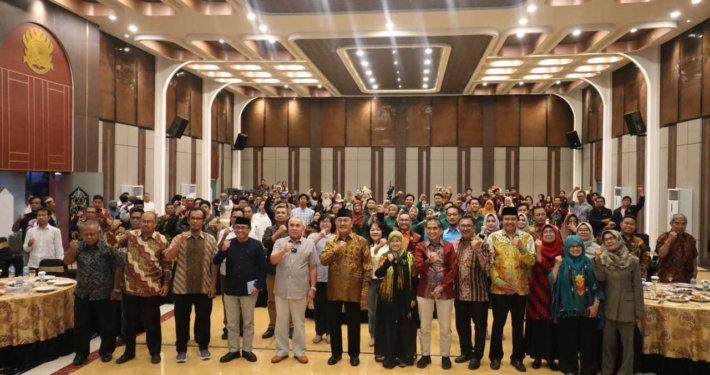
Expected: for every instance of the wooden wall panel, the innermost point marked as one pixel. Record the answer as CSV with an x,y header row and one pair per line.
x,y
444,121
253,123
333,122
706,70
170,103
560,121
145,78
107,78
195,106
418,120
507,121
126,87
222,113
215,119
585,136
618,93
599,115
691,70
384,114
643,95
631,91
276,122
299,122
183,91
358,122
533,120
670,54
470,121
230,118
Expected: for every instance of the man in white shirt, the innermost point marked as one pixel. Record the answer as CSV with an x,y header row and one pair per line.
x,y
43,241
260,220
148,205
225,207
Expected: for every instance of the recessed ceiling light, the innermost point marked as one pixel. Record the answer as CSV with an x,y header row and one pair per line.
x,y
603,60
221,41
696,1
263,28
581,75
229,80
112,17
369,72
257,74
398,72
557,83
389,26
425,79
503,63
523,21
127,49
426,71
425,86
675,14
305,80
395,62
399,80
495,71
365,63
555,62
375,87
394,51
320,86
538,76
577,32
495,78
290,67
687,21
521,83
267,80
532,8
251,67
127,36
132,28
359,52
251,16
203,67
633,30
372,80
592,68
400,86
428,51
285,86
427,62
485,84
552,69
521,35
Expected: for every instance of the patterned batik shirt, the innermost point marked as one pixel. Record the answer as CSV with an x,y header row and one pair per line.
x,y
96,267
349,271
146,269
509,264
194,264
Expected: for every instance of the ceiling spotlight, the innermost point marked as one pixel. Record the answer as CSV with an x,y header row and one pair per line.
x,y
400,86
320,86
221,41
395,62
127,36
369,72
577,32
687,21
428,51
365,63
521,83
675,14
398,72
425,86
634,30
485,84
532,8
112,17
557,83
372,80
375,87
696,1
359,53
523,21
251,16
285,86
132,28
507,63
394,51
272,40
389,26
425,79
426,71
263,28
399,80
521,35
427,62
127,49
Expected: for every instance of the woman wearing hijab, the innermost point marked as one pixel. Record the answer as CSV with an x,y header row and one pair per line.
x,y
523,223
569,226
539,327
575,309
621,271
586,233
360,227
490,225
391,217
326,224
396,324
488,208
113,209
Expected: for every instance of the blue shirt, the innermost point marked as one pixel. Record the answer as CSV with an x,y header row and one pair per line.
x,y
450,235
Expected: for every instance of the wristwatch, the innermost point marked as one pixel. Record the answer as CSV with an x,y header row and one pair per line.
x,y
314,289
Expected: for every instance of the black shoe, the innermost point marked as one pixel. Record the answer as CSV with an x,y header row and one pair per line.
x,y
389,364
249,356
224,335
495,364
268,334
125,358
155,359
290,333
334,359
79,360
354,361
519,366
424,361
446,363
463,358
241,333
474,364
553,366
537,364
229,356
119,342
105,358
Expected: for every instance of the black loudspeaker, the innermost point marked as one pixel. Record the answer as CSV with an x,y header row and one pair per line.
x,y
177,127
240,142
573,140
634,122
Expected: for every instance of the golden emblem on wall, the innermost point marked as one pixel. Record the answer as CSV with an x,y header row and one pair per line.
x,y
38,51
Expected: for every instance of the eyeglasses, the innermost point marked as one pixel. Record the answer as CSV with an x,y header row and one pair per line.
x,y
241,227
608,239
575,246
465,226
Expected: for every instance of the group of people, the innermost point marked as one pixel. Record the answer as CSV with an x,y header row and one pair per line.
x,y
568,274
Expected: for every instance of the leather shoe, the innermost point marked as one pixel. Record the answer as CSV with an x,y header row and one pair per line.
x,y
277,358
474,364
124,358
224,335
519,366
424,361
302,359
553,366
78,360
229,356
249,356
495,364
463,358
537,364
446,363
268,334
155,359
354,361
106,358
334,359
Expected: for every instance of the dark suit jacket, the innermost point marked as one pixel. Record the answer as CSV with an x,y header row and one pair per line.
x,y
632,210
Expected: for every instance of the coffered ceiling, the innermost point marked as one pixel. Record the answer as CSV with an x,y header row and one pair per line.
x,y
396,47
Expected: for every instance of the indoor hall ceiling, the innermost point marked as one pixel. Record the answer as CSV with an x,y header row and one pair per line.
x,y
368,47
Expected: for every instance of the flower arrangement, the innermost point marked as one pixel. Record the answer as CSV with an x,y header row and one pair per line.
x,y
446,192
363,192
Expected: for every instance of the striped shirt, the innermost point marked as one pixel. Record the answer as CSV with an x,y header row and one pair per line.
x,y
471,281
146,269
194,262
306,214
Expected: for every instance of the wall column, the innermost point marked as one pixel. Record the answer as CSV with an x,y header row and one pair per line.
x,y
649,61
210,89
574,99
603,85
240,102
164,71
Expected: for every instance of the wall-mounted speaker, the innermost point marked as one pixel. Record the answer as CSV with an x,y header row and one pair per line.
x,y
634,122
177,127
240,142
573,140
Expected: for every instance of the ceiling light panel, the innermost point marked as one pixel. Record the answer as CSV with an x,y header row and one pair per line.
x,y
604,60
290,67
245,67
548,62
506,63
229,80
266,80
257,74
495,78
305,80
551,69
496,71
217,74
203,67
298,74
592,68
538,76
581,75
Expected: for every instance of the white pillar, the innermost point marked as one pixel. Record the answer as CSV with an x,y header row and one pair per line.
x,y
164,71
603,85
574,99
648,60
210,89
240,102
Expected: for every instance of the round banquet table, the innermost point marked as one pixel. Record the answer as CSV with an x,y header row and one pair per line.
x,y
676,338
36,328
